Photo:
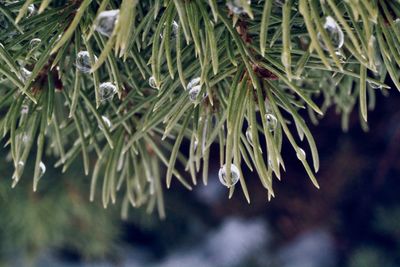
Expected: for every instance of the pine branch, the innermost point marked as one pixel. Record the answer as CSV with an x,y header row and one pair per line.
x,y
128,83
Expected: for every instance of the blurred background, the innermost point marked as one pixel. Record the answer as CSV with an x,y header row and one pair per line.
x,y
353,220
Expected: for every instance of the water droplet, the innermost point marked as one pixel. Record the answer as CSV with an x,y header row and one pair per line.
x,y
152,82
376,59
195,144
235,176
194,89
31,10
236,6
34,43
175,27
24,109
83,61
334,32
25,74
301,155
193,82
58,38
106,121
105,22
107,90
151,187
25,138
285,59
272,122
120,162
249,137
194,92
374,85
42,169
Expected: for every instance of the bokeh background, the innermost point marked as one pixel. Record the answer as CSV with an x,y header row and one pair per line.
x,y
353,220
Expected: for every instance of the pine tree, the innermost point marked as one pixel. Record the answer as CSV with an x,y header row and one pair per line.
x,y
126,83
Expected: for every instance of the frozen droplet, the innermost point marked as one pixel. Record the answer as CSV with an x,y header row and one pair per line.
x,y
301,155
152,82
334,32
249,137
42,169
272,122
34,43
25,74
24,109
236,6
83,61
193,82
235,176
106,121
105,22
107,91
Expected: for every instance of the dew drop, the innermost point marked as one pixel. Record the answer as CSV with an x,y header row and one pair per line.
x,y
301,155
175,27
25,138
107,90
272,122
25,74
42,169
195,144
24,109
193,82
106,121
152,82
194,89
34,43
235,176
31,10
151,187
105,22
83,61
194,92
249,137
334,32
236,6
